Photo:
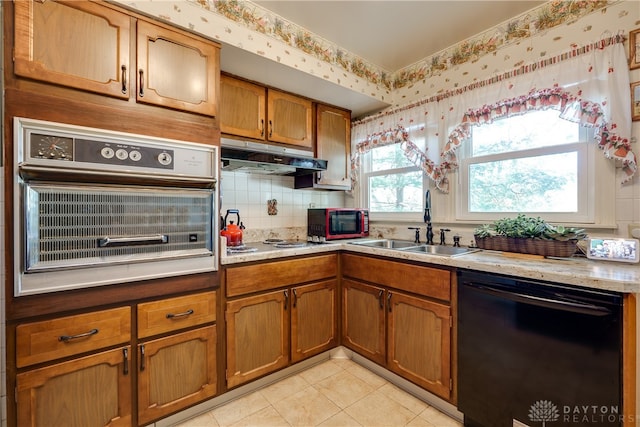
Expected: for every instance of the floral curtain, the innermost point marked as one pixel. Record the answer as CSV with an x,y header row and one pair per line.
x,y
588,85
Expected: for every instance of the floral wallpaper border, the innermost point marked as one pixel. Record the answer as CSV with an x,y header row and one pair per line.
x,y
546,16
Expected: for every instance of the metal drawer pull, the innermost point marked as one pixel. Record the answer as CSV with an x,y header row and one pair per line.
x,y
295,298
124,79
173,316
142,364
130,241
125,353
141,91
67,338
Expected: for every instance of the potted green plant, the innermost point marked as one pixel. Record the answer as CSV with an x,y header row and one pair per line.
x,y
525,234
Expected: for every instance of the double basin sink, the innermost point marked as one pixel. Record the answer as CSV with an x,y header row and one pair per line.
x,y
407,246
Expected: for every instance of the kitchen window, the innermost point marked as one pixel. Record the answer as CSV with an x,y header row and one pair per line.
x,y
392,186
537,163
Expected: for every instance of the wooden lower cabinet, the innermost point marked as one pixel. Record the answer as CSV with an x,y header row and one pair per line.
x,y
176,371
257,336
364,320
313,319
278,313
399,315
419,342
85,392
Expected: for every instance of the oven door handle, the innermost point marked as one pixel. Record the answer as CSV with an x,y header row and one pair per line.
x,y
106,242
556,304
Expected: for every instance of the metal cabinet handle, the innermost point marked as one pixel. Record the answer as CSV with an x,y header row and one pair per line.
x,y
124,78
141,91
380,299
107,241
125,354
270,128
183,314
295,297
142,361
262,127
67,338
389,301
286,299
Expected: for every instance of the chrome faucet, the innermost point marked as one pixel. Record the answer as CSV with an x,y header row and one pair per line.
x,y
427,217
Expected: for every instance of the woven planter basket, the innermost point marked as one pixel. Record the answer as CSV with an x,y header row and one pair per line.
x,y
554,248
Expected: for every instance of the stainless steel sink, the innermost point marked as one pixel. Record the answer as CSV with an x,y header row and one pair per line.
x,y
387,244
449,251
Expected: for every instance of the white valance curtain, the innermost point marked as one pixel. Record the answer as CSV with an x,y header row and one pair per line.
x,y
589,85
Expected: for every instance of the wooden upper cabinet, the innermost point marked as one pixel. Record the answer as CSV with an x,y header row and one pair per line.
x,y
176,71
254,111
242,108
290,119
333,143
82,45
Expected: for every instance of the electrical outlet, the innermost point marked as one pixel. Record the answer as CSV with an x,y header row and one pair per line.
x,y
634,231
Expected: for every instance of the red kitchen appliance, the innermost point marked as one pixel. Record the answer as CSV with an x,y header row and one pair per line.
x,y
336,223
233,232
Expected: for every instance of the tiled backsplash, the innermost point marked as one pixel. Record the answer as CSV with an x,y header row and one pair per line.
x,y
251,193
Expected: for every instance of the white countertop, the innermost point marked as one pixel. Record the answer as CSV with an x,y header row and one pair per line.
x,y
605,275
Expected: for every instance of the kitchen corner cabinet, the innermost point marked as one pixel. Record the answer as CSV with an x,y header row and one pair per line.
x,y
86,45
404,325
254,111
278,313
90,390
177,370
333,143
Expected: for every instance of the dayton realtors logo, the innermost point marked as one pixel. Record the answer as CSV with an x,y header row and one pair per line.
x,y
544,410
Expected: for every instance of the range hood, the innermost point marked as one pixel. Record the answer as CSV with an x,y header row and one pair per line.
x,y
266,159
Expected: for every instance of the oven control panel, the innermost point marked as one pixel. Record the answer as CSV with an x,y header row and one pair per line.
x,y
70,147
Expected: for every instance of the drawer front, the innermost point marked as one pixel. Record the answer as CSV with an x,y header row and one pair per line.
x,y
277,274
158,317
426,281
47,340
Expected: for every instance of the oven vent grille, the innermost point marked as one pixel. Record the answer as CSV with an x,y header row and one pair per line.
x,y
69,225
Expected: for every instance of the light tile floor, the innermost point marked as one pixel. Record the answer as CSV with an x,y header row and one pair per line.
x,y
335,393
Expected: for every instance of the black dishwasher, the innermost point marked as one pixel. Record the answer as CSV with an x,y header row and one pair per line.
x,y
539,353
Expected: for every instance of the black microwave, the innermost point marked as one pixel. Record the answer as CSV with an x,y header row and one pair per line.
x,y
336,223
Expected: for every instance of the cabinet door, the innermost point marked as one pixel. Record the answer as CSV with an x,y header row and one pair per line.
x,y
176,71
290,119
333,143
420,342
175,372
91,391
314,326
83,45
257,336
242,108
363,319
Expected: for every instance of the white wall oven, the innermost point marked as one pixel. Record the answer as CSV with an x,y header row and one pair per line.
x,y
94,207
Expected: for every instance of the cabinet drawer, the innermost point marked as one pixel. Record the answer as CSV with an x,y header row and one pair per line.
x,y
157,317
66,336
272,275
427,281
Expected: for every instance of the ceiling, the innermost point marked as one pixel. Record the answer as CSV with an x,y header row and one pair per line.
x,y
390,34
